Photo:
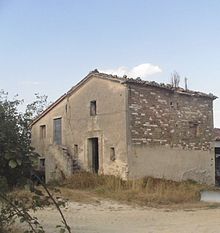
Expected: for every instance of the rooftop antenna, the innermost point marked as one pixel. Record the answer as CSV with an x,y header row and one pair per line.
x,y
186,86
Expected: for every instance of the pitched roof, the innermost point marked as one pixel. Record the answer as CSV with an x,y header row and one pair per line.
x,y
140,82
123,80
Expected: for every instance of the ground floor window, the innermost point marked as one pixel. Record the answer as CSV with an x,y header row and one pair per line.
x,y
112,154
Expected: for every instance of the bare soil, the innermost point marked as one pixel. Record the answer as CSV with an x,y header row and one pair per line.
x,y
109,216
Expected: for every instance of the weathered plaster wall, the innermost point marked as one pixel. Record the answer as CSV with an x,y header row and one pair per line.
x,y
175,164
170,134
109,125
45,146
217,143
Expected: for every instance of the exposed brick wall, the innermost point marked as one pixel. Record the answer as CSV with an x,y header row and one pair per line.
x,y
164,117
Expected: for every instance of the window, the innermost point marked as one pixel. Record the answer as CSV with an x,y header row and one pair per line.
x,y
177,106
76,150
42,131
93,108
194,128
57,131
42,163
112,154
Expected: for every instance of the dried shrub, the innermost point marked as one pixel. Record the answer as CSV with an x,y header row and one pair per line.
x,y
147,190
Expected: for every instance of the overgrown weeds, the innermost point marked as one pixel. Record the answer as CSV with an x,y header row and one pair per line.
x,y
146,191
15,207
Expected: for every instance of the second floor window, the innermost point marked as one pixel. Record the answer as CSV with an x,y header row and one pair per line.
x,y
42,131
93,108
57,131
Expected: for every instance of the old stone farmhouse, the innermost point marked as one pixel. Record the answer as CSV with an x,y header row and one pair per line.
x,y
128,127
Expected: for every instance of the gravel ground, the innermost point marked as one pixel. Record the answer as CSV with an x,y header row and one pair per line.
x,y
110,216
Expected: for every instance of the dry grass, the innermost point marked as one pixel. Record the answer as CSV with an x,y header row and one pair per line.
x,y
146,191
15,230
22,195
87,187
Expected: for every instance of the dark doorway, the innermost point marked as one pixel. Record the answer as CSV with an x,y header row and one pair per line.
x,y
217,165
94,154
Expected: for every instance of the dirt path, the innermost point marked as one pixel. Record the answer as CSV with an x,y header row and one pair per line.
x,y
108,216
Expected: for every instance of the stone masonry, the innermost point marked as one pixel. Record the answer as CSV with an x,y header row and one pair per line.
x,y
160,116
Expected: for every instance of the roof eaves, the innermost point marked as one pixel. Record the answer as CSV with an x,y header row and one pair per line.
x,y
48,109
196,94
96,74
169,87
141,82
62,98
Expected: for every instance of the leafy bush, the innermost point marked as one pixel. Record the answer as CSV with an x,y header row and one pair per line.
x,y
16,153
3,184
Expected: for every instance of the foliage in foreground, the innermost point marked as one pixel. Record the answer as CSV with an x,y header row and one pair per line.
x,y
15,208
16,165
147,191
16,153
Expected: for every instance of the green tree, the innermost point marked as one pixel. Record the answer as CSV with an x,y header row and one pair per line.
x,y
16,153
36,107
16,160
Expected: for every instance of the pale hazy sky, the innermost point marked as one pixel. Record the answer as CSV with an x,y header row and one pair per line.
x,y
47,46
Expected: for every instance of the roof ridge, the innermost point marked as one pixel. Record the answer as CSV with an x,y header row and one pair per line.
x,y
123,80
140,81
